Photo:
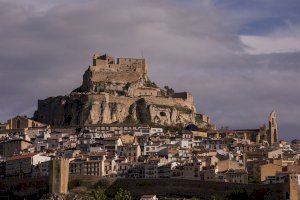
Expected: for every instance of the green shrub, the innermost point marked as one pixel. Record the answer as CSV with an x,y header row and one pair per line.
x,y
123,195
103,183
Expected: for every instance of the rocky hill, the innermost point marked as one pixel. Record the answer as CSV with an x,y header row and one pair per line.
x,y
117,91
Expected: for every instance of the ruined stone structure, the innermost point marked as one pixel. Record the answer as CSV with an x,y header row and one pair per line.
x,y
117,91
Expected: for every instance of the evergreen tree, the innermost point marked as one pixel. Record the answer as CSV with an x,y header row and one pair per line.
x,y
98,194
123,195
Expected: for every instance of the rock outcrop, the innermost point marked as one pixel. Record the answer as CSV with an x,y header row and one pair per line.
x,y
117,91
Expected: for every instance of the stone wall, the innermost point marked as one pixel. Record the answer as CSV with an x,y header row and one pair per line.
x,y
144,91
179,188
189,188
18,188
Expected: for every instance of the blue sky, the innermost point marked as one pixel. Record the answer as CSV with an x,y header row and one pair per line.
x,y
240,59
257,17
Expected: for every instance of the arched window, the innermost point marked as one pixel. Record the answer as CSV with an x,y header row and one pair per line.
x,y
18,123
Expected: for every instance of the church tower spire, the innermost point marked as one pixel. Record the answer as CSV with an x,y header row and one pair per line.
x,y
273,130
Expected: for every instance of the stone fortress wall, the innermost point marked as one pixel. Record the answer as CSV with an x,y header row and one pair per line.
x,y
117,91
108,74
144,91
108,63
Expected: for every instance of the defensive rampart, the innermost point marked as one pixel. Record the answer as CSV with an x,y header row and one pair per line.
x,y
180,188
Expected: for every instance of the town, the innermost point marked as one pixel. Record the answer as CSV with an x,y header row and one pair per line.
x,y
66,144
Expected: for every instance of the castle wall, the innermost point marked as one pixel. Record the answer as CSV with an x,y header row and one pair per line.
x,y
139,63
122,65
99,62
116,92
183,188
144,92
122,77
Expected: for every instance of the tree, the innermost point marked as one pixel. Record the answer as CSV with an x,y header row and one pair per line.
x,y
237,194
103,183
123,195
262,194
98,194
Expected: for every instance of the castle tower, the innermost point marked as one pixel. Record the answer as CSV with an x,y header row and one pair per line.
x,y
294,188
273,130
95,57
59,176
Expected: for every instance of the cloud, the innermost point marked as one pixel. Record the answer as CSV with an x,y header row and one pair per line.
x,y
282,40
194,46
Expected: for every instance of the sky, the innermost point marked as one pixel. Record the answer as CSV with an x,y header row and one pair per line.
x,y
240,59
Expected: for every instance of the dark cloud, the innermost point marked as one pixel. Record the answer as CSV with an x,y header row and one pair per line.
x,y
46,48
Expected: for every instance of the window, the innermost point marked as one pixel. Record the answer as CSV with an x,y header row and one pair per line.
x,y
287,195
18,123
163,114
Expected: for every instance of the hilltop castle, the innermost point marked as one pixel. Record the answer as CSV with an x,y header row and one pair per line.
x,y
119,91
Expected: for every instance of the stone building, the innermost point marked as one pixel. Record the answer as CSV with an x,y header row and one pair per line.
x,y
92,165
26,165
114,129
12,147
233,176
22,122
225,165
131,151
269,169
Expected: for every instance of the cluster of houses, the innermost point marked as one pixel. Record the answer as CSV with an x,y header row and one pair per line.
x,y
141,151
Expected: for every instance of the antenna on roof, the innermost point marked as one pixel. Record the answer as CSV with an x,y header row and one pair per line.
x,y
142,54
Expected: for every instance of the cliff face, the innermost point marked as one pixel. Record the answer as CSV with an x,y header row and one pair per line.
x,y
116,91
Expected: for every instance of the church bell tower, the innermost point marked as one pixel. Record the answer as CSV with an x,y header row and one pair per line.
x,y
273,130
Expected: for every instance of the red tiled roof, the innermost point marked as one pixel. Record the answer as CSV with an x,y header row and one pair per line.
x,y
17,157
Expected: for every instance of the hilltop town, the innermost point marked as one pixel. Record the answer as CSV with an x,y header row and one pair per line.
x,y
119,126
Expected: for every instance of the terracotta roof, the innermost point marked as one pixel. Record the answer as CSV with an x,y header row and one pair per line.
x,y
23,156
234,131
17,139
172,151
117,125
235,171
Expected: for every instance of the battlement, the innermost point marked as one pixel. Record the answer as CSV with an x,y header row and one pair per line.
x,y
108,63
184,95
